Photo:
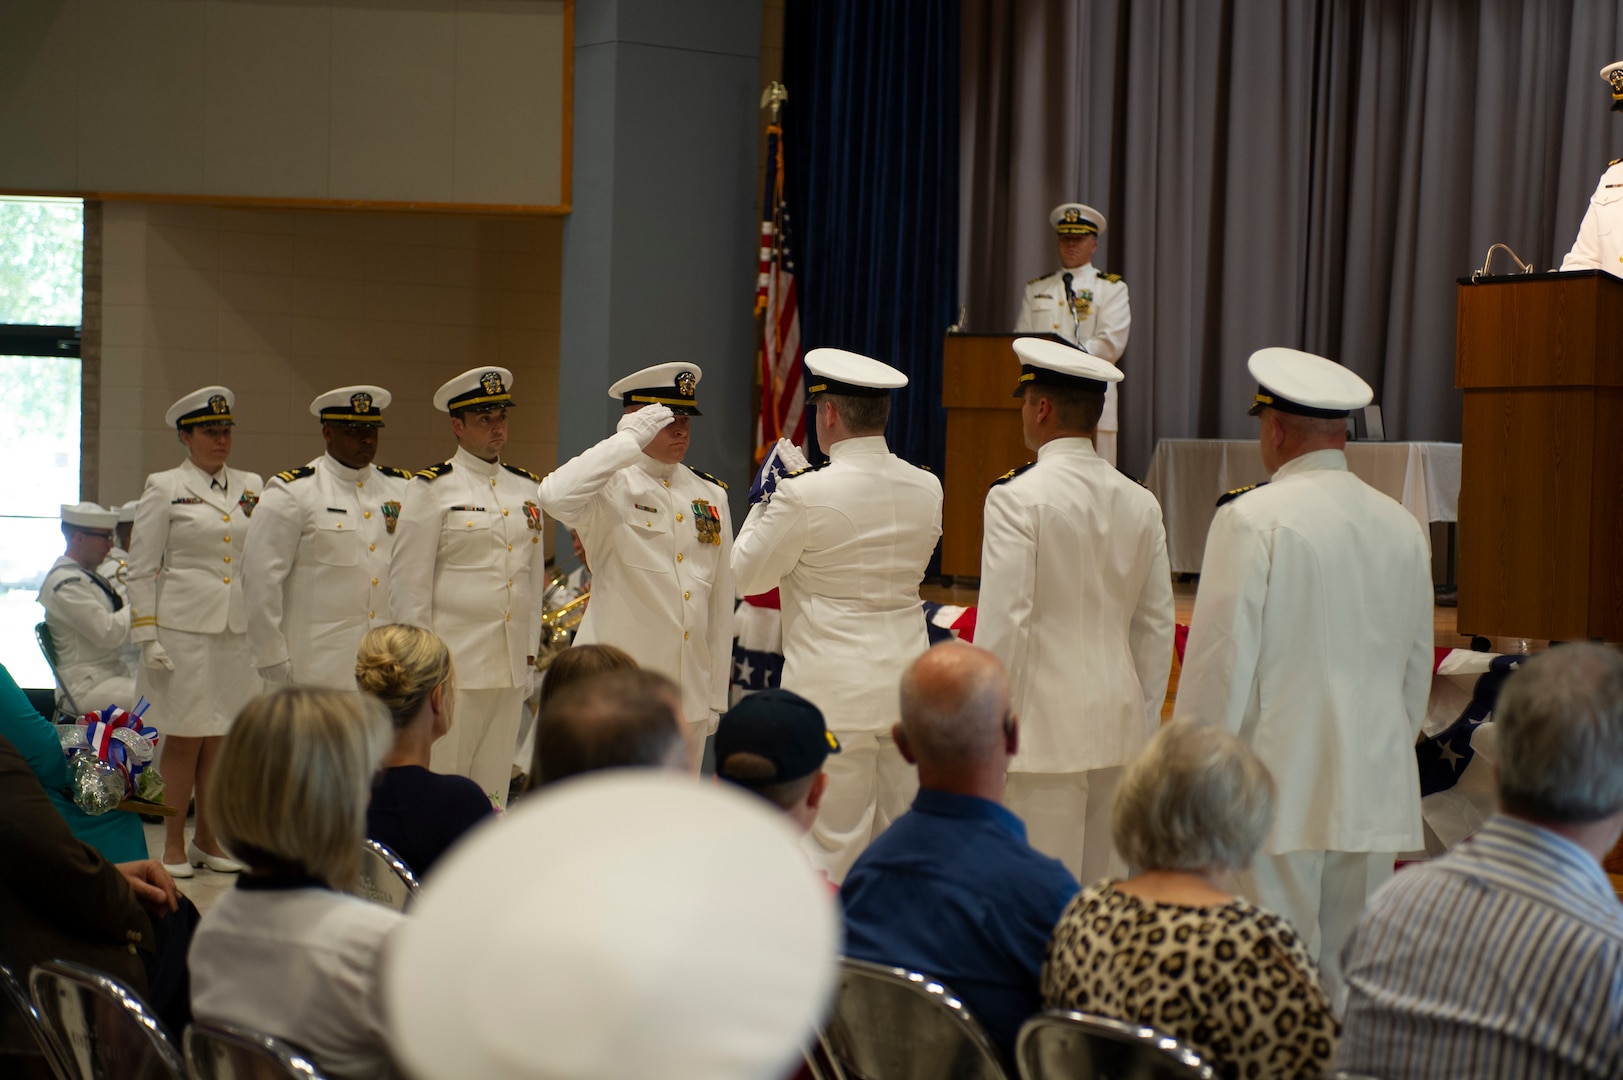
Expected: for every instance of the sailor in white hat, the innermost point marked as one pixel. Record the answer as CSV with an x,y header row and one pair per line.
x,y
847,543
86,616
1082,304
469,565
659,537
190,620
528,957
316,568
1599,244
1076,600
1312,639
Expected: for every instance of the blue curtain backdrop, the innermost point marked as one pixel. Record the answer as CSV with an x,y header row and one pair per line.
x,y
871,134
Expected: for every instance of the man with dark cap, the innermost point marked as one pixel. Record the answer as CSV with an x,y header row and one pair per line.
x,y
774,743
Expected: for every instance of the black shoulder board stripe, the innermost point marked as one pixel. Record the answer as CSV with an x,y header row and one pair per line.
x,y
702,475
802,472
390,470
290,475
1034,280
1112,278
434,472
1229,496
1012,473
526,473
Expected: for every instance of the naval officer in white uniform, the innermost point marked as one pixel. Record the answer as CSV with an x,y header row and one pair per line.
x,y
1312,640
659,538
847,544
469,565
187,612
316,567
1599,244
1082,304
88,619
1076,601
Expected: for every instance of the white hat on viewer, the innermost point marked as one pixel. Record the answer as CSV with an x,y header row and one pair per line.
x,y
1299,382
1076,219
89,515
621,926
1046,362
478,389
126,513
352,405
835,371
675,384
208,405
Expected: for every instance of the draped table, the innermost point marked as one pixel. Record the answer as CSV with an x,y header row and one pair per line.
x,y
1188,475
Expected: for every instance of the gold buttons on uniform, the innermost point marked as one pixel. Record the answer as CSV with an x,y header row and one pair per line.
x,y
507,618
228,581
228,558
470,524
678,515
371,614
667,483
226,518
687,596
650,524
504,513
360,483
340,525
509,583
684,635
678,556
367,514
492,481
371,547
374,581
509,547
228,539
535,539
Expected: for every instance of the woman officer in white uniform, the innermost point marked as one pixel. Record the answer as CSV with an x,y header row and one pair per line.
x,y
187,613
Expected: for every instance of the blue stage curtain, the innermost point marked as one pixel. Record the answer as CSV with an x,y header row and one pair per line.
x,y
871,152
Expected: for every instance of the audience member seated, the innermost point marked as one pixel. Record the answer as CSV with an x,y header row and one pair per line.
x,y
630,925
118,836
88,619
286,951
416,813
952,889
774,743
616,720
1504,958
60,900
574,665
1172,947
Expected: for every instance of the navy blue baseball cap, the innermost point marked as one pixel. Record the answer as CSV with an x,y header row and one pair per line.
x,y
782,735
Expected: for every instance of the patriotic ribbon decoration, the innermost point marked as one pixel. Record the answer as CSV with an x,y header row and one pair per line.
x,y
122,740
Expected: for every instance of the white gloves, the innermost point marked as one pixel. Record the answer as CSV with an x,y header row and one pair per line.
x,y
278,674
645,423
793,458
154,657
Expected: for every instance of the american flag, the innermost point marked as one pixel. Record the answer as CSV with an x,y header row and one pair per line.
x,y
782,411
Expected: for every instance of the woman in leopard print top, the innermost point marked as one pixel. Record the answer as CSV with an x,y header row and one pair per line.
x,y
1172,948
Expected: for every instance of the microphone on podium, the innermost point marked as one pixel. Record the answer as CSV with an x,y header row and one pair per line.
x,y
1070,302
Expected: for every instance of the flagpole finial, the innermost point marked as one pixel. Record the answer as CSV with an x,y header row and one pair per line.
x,y
773,98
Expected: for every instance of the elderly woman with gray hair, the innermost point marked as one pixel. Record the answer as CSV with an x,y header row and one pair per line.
x,y
1172,947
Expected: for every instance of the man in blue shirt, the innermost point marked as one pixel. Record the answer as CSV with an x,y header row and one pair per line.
x,y
952,889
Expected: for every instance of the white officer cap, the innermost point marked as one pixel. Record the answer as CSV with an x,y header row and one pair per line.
x,y
623,925
478,389
675,384
1612,75
836,371
1050,363
1076,219
1298,382
89,515
210,405
352,405
126,513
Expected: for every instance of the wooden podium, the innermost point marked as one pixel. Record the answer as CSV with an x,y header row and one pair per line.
x,y
1540,359
984,440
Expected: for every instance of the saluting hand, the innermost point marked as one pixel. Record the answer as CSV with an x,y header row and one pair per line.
x,y
646,422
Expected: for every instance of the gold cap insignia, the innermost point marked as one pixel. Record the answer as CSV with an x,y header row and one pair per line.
x,y
491,381
686,383
217,404
361,403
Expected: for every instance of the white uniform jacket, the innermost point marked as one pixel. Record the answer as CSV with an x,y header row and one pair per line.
x,y
1102,330
847,543
659,539
1312,639
316,567
89,622
1599,245
469,565
1076,601
186,553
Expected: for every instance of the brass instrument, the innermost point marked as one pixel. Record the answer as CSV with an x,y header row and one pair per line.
x,y
558,624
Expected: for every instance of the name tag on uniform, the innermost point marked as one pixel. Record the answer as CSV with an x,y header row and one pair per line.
x,y
336,510
474,509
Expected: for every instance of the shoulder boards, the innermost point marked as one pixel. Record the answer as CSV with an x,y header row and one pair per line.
x,y
516,471
291,475
1112,278
1229,496
1012,473
702,475
390,470
1614,161
1034,280
803,472
434,472
926,468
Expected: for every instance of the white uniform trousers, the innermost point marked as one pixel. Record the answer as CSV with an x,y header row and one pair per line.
x,y
1321,894
1067,817
870,785
484,732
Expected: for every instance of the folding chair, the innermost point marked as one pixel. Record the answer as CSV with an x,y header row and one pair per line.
x,y
891,1024
67,710
13,994
100,1027
385,877
1077,1046
224,1052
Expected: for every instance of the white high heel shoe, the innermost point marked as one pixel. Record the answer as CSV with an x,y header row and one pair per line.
x,y
196,856
181,869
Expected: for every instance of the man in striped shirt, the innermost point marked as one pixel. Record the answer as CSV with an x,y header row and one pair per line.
x,y
1504,958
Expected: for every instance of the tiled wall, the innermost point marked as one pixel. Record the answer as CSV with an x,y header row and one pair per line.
x,y
281,305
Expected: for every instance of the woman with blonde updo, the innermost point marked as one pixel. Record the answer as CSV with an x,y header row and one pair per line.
x,y
418,814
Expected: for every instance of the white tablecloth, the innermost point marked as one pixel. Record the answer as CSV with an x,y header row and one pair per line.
x,y
1188,475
